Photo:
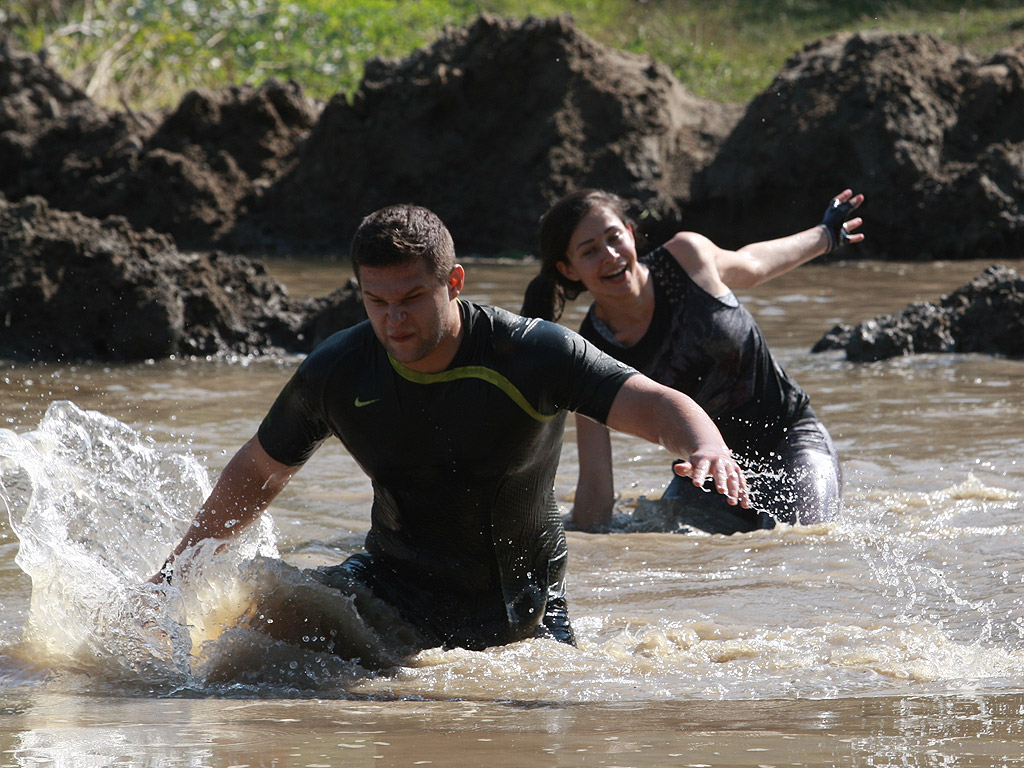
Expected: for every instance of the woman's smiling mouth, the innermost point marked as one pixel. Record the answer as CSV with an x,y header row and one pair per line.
x,y
616,275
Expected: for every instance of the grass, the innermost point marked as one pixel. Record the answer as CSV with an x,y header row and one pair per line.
x,y
148,53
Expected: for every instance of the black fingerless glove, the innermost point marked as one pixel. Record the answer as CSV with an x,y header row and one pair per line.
x,y
835,216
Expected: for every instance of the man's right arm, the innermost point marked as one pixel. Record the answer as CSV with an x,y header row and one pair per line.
x,y
246,487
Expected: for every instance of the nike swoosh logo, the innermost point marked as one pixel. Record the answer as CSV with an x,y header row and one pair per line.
x,y
361,403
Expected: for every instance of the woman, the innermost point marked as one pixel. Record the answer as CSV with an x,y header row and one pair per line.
x,y
672,315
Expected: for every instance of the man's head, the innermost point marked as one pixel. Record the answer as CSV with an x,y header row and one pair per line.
x,y
400,234
404,260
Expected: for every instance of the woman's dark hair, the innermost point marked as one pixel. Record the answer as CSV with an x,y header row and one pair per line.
x,y
548,292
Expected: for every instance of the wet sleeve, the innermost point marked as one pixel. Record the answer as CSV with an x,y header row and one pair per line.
x,y
295,426
585,379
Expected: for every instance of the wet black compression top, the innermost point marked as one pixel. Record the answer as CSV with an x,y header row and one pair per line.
x,y
462,461
712,350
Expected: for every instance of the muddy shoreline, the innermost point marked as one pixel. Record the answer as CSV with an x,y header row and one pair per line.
x,y
487,127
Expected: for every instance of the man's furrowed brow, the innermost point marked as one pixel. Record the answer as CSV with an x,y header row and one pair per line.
x,y
409,293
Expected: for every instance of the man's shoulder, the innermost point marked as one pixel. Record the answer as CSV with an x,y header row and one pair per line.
x,y
506,325
489,313
339,346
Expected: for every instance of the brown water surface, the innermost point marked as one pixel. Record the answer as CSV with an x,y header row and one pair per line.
x,y
892,637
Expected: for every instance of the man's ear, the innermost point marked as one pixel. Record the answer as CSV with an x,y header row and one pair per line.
x,y
567,271
456,281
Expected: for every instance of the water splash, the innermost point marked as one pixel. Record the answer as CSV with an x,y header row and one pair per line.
x,y
918,545
96,509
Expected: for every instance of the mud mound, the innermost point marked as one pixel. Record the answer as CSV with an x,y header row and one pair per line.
x,y
73,288
986,316
935,139
487,127
185,174
31,92
192,176
495,120
53,139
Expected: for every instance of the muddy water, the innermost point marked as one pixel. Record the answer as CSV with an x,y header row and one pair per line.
x,y
892,637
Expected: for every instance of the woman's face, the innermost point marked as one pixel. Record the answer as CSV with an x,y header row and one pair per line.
x,y
602,255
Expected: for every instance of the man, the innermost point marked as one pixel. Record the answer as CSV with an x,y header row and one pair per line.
x,y
456,413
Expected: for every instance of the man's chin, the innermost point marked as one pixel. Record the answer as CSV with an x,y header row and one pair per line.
x,y
406,354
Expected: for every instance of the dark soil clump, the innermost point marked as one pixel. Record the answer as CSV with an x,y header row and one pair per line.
x,y
490,125
932,136
985,316
75,288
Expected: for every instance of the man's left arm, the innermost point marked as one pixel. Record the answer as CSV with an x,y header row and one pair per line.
x,y
669,418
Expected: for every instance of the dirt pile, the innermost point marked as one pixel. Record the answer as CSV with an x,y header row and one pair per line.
x,y
986,316
187,173
54,140
488,126
934,137
75,288
493,121
207,160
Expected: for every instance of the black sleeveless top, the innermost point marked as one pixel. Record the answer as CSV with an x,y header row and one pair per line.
x,y
462,461
712,350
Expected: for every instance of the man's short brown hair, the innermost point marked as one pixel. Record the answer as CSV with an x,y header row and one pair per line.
x,y
400,234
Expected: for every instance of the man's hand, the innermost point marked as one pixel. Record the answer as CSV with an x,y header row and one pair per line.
x,y
163,576
724,471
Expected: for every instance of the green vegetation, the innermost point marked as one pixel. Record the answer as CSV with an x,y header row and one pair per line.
x,y
147,53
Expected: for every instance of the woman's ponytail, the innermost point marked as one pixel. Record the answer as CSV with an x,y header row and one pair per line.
x,y
544,297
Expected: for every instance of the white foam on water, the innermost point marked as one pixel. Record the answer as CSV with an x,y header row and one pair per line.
x,y
96,507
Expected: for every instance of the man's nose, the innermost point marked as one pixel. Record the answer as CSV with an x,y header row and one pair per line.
x,y
396,316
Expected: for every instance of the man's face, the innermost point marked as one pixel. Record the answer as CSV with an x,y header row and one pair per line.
x,y
414,315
